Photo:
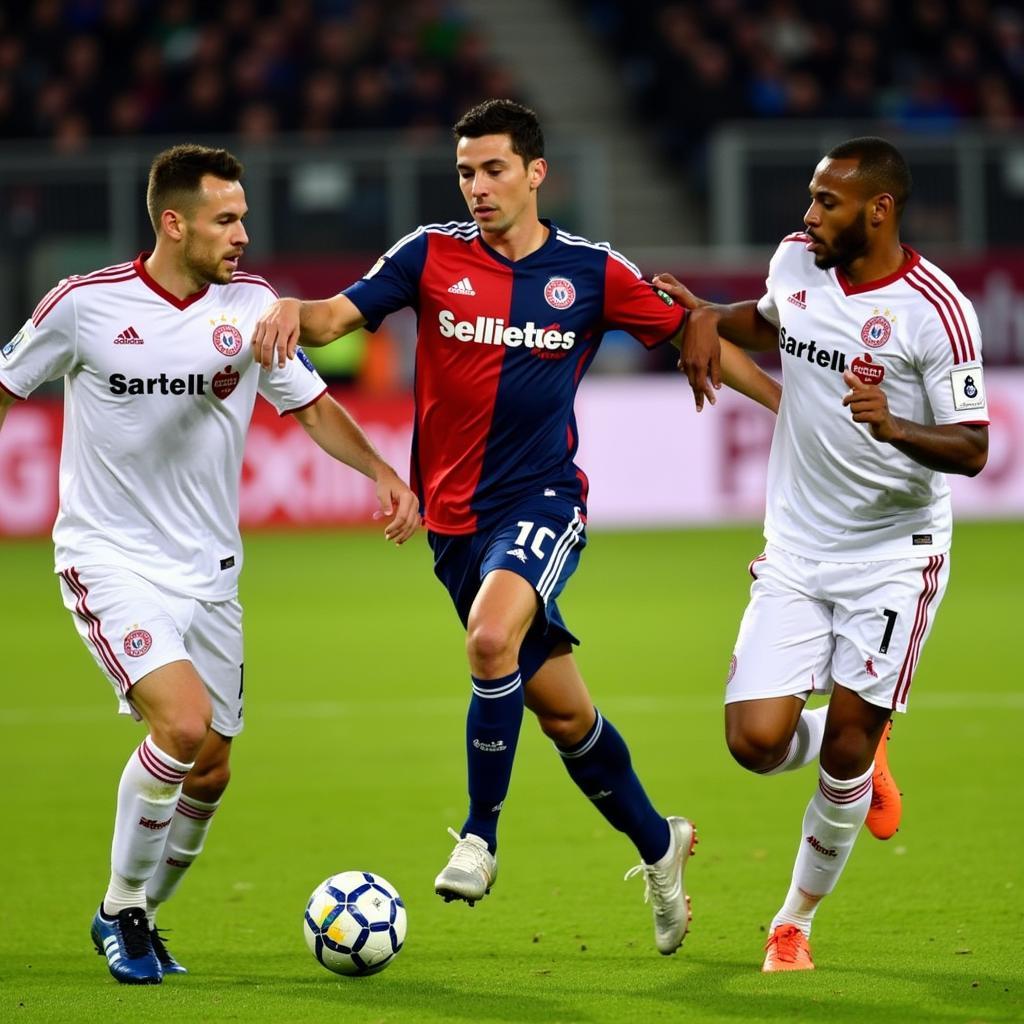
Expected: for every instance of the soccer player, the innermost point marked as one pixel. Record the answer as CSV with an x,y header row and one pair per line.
x,y
159,391
883,394
511,312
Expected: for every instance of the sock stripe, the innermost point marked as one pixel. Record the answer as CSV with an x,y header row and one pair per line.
x,y
189,809
844,796
158,768
587,745
191,812
499,691
563,547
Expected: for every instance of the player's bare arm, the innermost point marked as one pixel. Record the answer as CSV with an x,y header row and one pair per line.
x,y
701,354
742,374
948,448
289,322
6,401
331,427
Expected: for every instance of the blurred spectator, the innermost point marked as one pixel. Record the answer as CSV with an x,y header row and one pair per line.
x,y
257,124
925,64
74,69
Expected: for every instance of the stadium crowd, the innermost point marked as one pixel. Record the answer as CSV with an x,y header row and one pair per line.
x,y
918,65
74,69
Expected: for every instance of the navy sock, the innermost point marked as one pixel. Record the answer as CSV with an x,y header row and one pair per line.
x,y
492,732
601,766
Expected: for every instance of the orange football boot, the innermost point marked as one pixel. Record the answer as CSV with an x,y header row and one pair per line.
x,y
883,818
787,949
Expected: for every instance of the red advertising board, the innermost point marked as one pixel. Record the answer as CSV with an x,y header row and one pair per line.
x,y
709,468
286,479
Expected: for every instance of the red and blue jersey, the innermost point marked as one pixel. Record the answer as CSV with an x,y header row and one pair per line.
x,y
501,349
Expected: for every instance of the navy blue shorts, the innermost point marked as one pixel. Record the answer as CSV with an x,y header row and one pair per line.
x,y
541,541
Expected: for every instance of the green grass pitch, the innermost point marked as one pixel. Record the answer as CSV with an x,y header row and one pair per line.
x,y
352,757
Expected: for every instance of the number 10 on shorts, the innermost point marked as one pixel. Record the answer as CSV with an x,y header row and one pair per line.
x,y
540,535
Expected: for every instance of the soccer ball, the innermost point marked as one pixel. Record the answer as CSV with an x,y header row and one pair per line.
x,y
354,923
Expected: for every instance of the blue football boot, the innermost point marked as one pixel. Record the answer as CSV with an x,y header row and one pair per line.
x,y
167,962
124,940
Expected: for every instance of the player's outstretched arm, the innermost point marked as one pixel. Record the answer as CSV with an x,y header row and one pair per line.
x,y
948,448
700,353
339,435
6,401
289,322
740,322
742,374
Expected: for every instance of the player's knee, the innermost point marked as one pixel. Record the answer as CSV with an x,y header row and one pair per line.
x,y
564,730
208,782
846,753
183,737
756,749
490,649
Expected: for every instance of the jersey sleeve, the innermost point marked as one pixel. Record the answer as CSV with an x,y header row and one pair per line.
x,y
766,305
950,362
44,349
634,305
293,386
393,282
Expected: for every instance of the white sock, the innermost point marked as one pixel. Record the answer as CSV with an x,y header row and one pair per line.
x,y
831,823
185,840
805,746
146,797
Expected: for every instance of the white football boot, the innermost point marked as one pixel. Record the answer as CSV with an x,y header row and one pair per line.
x,y
664,889
470,871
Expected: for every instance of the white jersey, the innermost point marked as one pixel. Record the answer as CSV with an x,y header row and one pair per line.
x,y
834,492
158,394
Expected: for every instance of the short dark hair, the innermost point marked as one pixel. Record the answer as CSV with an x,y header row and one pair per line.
x,y
881,166
176,174
504,117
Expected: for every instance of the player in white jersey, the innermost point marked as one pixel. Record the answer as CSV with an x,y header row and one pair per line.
x,y
159,391
883,393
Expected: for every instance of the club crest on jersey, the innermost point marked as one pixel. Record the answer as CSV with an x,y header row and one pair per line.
x,y
877,330
559,293
866,370
227,339
137,643
225,382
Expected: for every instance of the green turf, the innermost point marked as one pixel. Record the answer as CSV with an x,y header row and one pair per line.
x,y
352,758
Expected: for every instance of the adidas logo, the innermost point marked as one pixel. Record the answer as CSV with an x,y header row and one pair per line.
x,y
799,299
463,287
129,336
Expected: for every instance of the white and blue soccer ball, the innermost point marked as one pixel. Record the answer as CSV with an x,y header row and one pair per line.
x,y
355,923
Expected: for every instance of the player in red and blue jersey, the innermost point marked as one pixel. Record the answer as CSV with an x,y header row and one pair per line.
x,y
511,313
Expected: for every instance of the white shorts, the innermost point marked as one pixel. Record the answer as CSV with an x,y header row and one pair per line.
x,y
132,626
859,624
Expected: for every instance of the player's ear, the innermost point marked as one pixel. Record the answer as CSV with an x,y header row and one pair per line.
x,y
881,209
173,224
537,171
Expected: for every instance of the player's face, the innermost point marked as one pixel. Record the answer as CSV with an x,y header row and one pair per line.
x,y
499,189
837,219
214,235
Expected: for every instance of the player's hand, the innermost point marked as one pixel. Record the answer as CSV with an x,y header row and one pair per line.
x,y
700,356
674,288
397,504
869,405
277,333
